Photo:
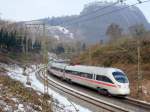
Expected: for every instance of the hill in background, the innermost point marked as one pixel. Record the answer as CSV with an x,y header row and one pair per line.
x,y
94,20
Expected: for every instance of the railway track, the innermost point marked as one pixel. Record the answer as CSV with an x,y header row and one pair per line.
x,y
105,106
138,103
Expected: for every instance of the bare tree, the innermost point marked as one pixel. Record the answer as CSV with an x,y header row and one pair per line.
x,y
114,32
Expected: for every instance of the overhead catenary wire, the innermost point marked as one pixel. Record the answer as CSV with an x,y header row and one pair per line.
x,y
71,22
0,15
105,14
117,10
100,9
108,13
97,10
93,12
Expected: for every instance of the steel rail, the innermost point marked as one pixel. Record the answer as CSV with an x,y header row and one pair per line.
x,y
96,102
136,102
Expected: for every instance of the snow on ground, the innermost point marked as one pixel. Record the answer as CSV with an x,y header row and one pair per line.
x,y
62,29
57,37
71,36
17,74
59,29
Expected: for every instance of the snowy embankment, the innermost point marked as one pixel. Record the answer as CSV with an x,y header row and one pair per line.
x,y
16,72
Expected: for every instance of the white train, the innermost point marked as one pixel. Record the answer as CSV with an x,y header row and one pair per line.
x,y
106,80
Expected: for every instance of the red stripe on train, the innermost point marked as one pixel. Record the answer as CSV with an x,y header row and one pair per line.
x,y
93,81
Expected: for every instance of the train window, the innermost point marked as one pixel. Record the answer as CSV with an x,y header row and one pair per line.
x,y
57,69
99,77
90,76
78,73
72,72
103,78
83,75
86,75
120,77
75,73
53,68
67,71
106,79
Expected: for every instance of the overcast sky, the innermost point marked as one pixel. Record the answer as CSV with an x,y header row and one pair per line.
x,y
24,10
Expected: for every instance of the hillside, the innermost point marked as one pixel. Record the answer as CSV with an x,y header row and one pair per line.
x,y
15,97
92,28
122,54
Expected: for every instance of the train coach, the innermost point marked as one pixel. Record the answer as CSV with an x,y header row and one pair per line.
x,y
105,80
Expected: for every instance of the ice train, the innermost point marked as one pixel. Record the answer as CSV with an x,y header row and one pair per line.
x,y
111,81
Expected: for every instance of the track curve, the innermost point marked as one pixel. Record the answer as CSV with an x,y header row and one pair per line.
x,y
124,105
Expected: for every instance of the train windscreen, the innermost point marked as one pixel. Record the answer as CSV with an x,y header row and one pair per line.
x,y
120,77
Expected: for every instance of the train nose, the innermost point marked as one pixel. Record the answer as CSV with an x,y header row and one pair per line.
x,y
123,86
125,92
124,89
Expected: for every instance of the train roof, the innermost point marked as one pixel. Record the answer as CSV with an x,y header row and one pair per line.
x,y
59,65
86,69
92,69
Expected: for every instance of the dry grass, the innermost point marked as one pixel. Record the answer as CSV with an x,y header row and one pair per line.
x,y
10,87
17,89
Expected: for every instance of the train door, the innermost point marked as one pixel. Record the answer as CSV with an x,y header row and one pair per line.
x,y
64,73
94,85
